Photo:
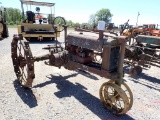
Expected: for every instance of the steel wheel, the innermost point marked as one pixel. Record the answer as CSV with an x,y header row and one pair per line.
x,y
114,98
59,22
127,91
135,70
23,61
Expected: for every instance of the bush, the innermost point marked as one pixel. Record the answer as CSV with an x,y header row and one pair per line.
x,y
11,23
17,22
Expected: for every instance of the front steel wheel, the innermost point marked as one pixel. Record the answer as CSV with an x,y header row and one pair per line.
x,y
127,91
114,98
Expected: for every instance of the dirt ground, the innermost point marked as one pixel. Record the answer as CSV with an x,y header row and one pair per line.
x,y
60,94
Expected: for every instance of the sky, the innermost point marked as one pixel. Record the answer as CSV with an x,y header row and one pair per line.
x,y
122,10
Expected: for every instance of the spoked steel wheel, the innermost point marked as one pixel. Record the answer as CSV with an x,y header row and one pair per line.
x,y
127,91
59,22
23,61
114,98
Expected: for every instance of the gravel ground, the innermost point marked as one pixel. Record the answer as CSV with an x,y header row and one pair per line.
x,y
59,94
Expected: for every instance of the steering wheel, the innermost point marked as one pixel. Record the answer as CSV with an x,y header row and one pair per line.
x,y
59,22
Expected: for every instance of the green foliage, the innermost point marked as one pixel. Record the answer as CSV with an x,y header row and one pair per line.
x,y
11,23
70,23
12,16
59,21
77,25
101,15
104,15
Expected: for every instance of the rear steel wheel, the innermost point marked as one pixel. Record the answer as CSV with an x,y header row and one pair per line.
x,y
23,61
114,98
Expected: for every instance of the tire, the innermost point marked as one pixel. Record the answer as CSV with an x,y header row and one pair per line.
x,y
5,31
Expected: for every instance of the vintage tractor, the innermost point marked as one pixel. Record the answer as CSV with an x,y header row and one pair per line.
x,y
38,25
3,26
144,30
86,51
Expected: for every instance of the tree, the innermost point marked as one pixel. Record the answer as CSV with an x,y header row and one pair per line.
x,y
92,19
59,21
77,24
104,15
70,23
12,15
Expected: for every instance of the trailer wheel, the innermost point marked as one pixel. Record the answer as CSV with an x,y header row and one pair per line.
x,y
23,61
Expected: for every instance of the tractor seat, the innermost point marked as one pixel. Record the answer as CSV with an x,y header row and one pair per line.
x,y
30,16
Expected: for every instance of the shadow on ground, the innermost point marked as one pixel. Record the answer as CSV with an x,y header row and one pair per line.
x,y
25,94
1,39
87,74
149,79
67,89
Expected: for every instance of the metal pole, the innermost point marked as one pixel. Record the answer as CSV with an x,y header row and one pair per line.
x,y
22,10
51,14
137,19
0,10
54,11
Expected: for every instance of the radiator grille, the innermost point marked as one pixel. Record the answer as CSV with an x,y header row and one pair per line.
x,y
114,57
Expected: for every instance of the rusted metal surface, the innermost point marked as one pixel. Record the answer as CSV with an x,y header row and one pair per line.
x,y
101,34
107,32
71,65
23,61
83,60
143,53
120,63
148,39
58,59
91,40
85,40
120,104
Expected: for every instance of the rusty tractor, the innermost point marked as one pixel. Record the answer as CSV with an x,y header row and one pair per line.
x,y
138,54
86,51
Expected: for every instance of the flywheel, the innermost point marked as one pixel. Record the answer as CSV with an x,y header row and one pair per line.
x,y
114,98
23,61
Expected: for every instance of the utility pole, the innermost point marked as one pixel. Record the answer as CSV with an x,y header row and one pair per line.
x,y
137,19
